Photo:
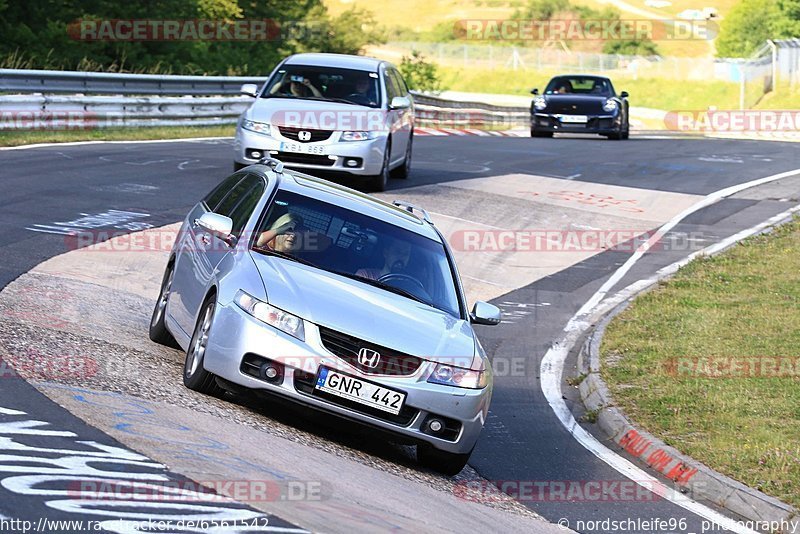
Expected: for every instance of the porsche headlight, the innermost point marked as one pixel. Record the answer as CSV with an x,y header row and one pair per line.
x,y
610,105
258,127
275,317
450,375
540,103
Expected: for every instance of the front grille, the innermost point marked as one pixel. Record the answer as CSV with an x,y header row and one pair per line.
x,y
304,383
346,347
293,134
305,159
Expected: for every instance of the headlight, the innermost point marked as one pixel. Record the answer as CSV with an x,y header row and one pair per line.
x,y
358,136
540,103
610,105
450,375
258,127
284,321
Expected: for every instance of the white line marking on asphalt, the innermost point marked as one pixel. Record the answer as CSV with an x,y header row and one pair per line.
x,y
8,411
572,177
669,225
139,142
552,366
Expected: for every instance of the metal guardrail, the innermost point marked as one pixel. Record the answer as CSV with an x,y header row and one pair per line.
x,y
54,81
100,100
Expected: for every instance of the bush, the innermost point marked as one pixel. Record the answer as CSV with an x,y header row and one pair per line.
x,y
419,73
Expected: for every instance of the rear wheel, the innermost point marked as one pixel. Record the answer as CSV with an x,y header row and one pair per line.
x,y
447,463
195,376
158,328
379,181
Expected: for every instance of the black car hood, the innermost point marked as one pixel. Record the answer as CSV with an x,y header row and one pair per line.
x,y
572,104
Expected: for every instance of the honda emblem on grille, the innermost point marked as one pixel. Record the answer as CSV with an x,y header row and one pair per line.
x,y
368,357
304,135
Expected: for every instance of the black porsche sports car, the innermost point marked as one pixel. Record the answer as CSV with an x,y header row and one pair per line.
x,y
580,104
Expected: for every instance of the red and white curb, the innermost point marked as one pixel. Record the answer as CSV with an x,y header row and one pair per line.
x,y
439,132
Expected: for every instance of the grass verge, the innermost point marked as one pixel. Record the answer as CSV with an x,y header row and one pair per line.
x,y
16,138
743,303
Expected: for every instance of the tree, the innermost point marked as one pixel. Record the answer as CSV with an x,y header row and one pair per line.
x,y
631,47
746,27
419,73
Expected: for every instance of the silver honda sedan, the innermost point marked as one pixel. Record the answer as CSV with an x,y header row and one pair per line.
x,y
330,113
289,284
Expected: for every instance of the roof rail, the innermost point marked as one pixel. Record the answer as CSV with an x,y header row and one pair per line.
x,y
276,164
411,208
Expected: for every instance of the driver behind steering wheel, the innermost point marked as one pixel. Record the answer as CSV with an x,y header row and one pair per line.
x,y
396,254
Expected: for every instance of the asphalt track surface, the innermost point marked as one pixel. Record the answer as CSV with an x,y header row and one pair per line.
x,y
523,440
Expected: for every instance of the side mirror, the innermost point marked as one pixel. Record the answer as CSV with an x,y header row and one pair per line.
x,y
216,224
400,102
249,89
485,313
624,94
534,91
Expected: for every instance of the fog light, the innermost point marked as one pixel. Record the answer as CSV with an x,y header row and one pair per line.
x,y
351,163
435,425
256,154
271,372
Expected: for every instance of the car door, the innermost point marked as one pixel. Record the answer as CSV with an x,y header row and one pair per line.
x,y
200,252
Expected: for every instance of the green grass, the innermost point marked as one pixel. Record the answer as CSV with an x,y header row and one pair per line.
x,y
743,303
658,93
16,138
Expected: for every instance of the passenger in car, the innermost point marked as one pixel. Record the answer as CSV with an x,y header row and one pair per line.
x,y
283,233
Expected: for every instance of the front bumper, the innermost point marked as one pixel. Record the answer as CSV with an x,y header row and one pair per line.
x,y
368,154
235,334
596,124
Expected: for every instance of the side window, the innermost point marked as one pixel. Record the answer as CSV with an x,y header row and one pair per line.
x,y
244,210
213,199
391,86
401,83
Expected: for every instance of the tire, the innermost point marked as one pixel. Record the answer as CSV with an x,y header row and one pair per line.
x,y
534,133
402,172
379,181
626,134
446,463
195,377
238,166
616,136
158,328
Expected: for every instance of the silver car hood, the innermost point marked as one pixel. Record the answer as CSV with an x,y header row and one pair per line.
x,y
366,312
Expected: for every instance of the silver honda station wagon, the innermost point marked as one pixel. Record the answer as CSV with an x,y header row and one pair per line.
x,y
295,286
330,113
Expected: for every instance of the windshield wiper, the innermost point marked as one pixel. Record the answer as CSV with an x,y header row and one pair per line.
x,y
272,252
382,285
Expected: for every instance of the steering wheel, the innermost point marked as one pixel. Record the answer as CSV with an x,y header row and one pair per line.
x,y
388,277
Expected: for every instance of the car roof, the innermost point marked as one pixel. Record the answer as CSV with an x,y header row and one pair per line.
x,y
343,61
590,76
352,199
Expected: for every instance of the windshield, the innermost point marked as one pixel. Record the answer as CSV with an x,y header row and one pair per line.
x,y
366,249
325,83
579,85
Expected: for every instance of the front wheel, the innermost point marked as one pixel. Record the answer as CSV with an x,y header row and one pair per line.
x,y
158,328
535,133
379,181
404,170
195,376
447,463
